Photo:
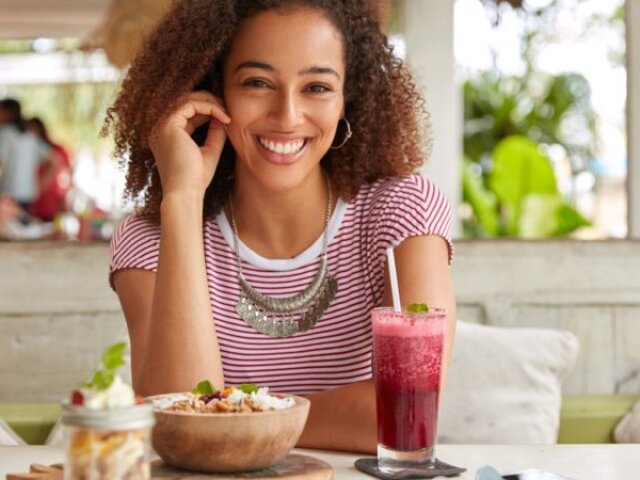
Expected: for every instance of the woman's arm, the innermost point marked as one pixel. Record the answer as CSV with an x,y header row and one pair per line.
x,y
423,277
173,340
342,419
345,418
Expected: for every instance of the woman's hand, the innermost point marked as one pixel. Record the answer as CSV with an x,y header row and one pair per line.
x,y
185,167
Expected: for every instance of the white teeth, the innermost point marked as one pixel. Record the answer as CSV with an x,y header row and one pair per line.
x,y
282,148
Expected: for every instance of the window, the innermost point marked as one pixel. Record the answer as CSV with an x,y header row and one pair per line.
x,y
545,124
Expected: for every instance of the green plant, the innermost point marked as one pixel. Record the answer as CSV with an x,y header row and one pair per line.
x,y
508,184
507,175
522,197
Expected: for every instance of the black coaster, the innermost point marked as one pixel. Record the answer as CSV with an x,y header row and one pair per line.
x,y
370,466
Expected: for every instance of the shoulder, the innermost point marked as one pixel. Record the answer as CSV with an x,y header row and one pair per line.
x,y
402,192
395,209
135,244
136,221
135,231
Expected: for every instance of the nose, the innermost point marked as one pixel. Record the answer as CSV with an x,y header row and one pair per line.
x,y
287,110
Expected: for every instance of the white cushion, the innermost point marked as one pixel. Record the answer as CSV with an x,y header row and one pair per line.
x,y
628,429
8,437
504,385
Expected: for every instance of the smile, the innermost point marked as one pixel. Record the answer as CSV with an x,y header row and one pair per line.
x,y
281,148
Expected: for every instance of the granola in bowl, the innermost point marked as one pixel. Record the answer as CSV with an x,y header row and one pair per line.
x,y
204,399
201,430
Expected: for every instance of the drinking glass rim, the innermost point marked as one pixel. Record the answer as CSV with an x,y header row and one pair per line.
x,y
431,312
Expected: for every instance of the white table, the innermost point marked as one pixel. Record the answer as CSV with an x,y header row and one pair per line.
x,y
579,462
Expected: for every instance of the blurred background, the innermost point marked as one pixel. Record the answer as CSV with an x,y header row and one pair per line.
x,y
535,128
531,144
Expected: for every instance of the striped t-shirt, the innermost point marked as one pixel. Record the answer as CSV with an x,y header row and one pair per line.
x,y
337,350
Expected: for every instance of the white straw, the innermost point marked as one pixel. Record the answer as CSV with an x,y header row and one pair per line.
x,y
393,277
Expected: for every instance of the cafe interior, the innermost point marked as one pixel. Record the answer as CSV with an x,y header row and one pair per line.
x,y
544,379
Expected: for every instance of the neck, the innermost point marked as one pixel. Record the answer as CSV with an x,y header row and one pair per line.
x,y
281,224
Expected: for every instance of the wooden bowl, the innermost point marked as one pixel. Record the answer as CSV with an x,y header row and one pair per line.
x,y
228,442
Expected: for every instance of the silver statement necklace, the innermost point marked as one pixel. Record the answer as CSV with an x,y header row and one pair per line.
x,y
283,317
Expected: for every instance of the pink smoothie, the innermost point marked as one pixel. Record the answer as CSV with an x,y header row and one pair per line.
x,y
407,356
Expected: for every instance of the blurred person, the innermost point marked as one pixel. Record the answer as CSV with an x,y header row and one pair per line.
x,y
9,209
20,155
53,176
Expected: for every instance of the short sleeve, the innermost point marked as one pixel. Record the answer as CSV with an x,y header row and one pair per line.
x,y
135,244
406,207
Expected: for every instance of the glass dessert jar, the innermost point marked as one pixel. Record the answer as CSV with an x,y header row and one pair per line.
x,y
107,444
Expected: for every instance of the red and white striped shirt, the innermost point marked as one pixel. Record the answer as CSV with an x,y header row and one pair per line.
x,y
337,350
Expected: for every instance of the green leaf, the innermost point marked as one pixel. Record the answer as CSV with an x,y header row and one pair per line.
x,y
417,308
545,216
100,380
113,356
112,359
519,169
482,201
205,387
569,219
247,388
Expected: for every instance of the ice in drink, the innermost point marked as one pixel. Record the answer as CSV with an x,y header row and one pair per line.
x,y
407,358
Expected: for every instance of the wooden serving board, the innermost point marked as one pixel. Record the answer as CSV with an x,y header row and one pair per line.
x,y
39,472
294,466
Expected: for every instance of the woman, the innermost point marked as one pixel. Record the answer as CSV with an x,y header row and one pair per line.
x,y
54,176
307,131
21,154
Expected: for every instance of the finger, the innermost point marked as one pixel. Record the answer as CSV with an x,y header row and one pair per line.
x,y
214,143
194,107
204,96
196,122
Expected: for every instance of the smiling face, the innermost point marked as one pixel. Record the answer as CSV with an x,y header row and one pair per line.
x,y
283,88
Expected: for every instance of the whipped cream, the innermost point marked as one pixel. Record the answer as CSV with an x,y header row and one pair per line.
x,y
119,394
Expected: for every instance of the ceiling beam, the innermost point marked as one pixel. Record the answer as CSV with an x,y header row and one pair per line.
x,y
26,19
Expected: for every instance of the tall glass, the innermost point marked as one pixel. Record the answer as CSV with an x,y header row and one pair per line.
x,y
407,358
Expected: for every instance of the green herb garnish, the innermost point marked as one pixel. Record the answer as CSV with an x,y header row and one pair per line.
x,y
205,387
248,388
113,357
418,308
112,360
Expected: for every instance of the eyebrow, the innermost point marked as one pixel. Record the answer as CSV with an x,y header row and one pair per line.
x,y
270,68
316,70
254,64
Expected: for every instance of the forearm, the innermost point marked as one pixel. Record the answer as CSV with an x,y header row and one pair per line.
x,y
181,348
342,419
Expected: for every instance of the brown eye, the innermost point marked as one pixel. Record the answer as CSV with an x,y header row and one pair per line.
x,y
318,88
256,83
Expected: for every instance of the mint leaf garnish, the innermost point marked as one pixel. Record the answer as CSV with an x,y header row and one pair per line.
x,y
204,388
418,308
248,388
100,380
112,359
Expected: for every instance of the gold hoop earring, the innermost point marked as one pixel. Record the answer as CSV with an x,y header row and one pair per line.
x,y
347,135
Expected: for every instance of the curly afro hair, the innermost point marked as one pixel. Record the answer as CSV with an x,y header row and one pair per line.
x,y
186,52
